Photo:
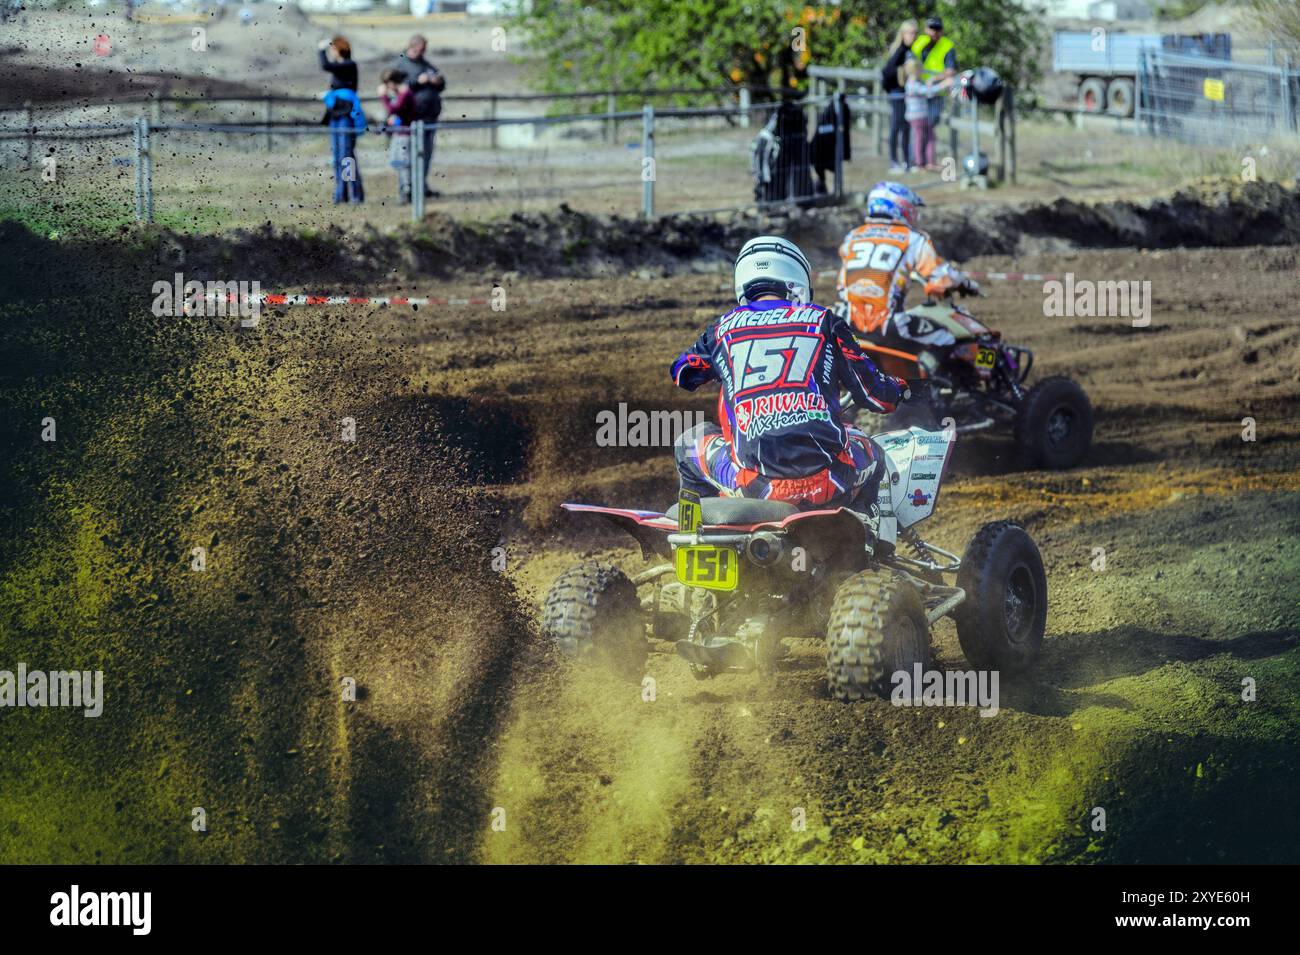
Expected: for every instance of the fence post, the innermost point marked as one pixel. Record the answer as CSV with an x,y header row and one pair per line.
x,y
840,133
1137,95
492,115
873,123
648,168
1001,119
267,120
878,123
743,104
1288,105
139,169
146,169
611,124
1010,108
417,170
155,108
30,135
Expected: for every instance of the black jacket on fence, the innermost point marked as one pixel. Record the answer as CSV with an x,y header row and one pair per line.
x,y
779,157
836,112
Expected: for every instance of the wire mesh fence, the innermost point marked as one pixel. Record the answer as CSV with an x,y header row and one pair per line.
x,y
222,161
1212,101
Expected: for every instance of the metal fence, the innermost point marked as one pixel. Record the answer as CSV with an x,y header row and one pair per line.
x,y
654,159
1215,102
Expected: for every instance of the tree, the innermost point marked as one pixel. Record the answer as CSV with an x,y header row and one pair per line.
x,y
710,44
1279,19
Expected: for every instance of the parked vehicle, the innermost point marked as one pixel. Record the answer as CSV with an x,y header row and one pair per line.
x,y
1106,64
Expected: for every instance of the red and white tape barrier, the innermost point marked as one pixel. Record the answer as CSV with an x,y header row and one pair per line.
x,y
981,276
266,299
280,299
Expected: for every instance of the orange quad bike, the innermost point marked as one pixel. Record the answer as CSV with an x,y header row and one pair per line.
x,y
979,385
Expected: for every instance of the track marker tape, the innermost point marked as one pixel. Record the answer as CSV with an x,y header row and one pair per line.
x,y
996,276
278,298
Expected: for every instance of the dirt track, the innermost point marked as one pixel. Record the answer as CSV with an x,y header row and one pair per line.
x,y
373,560
1135,705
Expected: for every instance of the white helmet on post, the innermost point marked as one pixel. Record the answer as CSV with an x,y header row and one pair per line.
x,y
769,264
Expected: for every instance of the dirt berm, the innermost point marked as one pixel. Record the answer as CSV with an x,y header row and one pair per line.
x,y
568,243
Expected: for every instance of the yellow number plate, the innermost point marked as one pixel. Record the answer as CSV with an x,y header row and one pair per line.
x,y
713,568
987,358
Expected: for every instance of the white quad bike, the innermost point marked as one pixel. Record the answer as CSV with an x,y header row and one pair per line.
x,y
743,574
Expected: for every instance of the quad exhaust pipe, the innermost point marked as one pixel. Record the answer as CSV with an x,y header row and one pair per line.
x,y
765,548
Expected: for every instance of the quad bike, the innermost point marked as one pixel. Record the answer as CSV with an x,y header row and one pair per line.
x,y
742,574
981,384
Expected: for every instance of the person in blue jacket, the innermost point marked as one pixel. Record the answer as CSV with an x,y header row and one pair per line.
x,y
345,117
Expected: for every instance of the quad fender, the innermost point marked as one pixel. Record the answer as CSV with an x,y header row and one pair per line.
x,y
650,529
835,538
915,460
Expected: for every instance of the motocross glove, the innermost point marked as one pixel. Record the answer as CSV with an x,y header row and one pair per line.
x,y
917,389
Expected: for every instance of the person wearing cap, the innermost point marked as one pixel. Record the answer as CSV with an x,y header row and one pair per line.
x,y
938,57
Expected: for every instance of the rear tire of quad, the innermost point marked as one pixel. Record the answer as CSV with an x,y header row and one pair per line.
x,y
1000,624
1054,426
877,627
592,613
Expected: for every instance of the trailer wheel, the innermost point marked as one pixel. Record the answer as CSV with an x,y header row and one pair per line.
x,y
1092,95
1119,98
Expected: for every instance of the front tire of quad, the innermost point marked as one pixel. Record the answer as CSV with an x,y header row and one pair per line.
x,y
1001,622
592,613
1054,425
877,627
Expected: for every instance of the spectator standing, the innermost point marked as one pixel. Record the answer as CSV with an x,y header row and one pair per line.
x,y
917,97
938,58
399,100
892,79
336,60
427,85
345,117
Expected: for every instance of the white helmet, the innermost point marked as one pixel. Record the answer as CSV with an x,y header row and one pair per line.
x,y
770,264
